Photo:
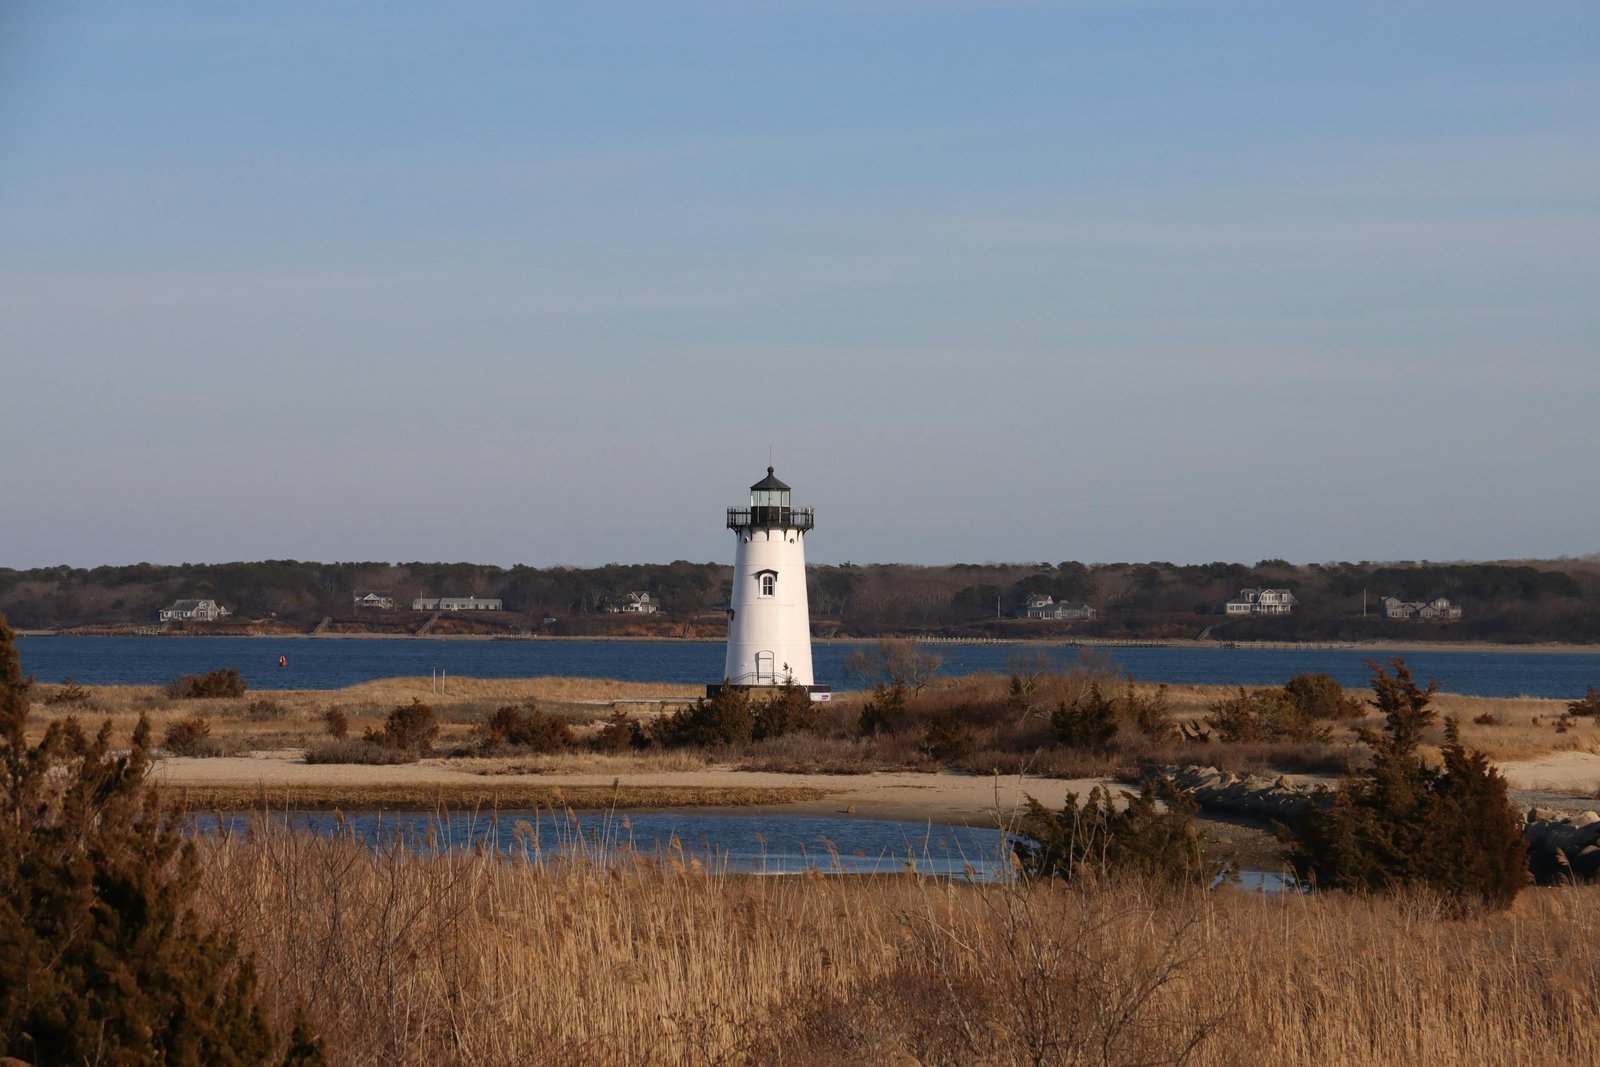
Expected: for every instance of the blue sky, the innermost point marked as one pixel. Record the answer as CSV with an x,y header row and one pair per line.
x,y
539,284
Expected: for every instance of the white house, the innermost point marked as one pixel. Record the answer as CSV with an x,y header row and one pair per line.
x,y
635,604
194,611
456,603
367,599
1261,602
1039,606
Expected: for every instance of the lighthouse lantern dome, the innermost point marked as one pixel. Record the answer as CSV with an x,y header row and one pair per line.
x,y
769,492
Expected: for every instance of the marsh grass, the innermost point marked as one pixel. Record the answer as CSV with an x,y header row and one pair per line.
x,y
409,958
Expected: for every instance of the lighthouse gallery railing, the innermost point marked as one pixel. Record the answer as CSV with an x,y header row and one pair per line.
x,y
791,518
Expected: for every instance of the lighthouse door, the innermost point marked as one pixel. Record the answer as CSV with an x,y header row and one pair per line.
x,y
765,675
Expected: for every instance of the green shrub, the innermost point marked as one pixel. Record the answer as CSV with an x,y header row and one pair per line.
x,y
360,750
1589,705
102,957
1264,715
336,723
789,710
1089,721
224,682
725,719
948,738
530,728
187,737
1317,696
619,734
1153,836
1404,822
265,708
70,692
1150,715
410,727
885,713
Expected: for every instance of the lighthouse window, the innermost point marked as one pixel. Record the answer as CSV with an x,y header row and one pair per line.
x,y
769,583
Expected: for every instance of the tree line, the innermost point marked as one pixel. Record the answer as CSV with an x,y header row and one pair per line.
x,y
1556,600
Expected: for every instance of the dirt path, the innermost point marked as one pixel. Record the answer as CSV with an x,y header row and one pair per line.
x,y
1559,772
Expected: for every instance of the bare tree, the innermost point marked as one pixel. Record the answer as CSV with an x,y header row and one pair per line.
x,y
895,661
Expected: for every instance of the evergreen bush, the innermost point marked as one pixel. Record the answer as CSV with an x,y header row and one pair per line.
x,y
1404,822
336,723
789,710
187,737
1152,836
102,958
885,713
224,682
1587,705
724,719
528,728
1265,715
410,728
949,738
1318,696
619,734
1089,721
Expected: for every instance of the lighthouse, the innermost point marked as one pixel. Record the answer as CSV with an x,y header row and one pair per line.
x,y
769,622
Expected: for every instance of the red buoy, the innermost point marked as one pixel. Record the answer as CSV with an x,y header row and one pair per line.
x,y
283,661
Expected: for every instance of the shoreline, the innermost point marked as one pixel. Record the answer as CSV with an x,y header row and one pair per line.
x,y
1087,644
243,783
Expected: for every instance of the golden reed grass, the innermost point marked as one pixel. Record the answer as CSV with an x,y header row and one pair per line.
x,y
405,958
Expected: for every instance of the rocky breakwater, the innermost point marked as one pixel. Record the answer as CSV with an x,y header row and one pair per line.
x,y
1562,846
1252,796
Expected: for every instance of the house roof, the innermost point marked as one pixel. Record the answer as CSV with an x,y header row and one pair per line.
x,y
184,605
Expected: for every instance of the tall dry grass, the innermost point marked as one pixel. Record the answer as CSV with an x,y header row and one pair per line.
x,y
296,720
403,958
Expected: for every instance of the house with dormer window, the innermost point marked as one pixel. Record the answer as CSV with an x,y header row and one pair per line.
x,y
1261,602
1438,609
635,603
194,611
1039,606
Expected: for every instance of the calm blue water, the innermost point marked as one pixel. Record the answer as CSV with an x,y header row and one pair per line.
x,y
736,844
760,844
321,663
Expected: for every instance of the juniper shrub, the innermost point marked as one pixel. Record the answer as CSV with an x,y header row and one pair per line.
x,y
410,727
102,958
1152,836
528,728
223,682
1404,822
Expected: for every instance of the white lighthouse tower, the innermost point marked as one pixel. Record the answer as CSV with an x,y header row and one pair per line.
x,y
769,622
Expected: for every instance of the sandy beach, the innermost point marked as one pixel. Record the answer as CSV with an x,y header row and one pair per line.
x,y
944,798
